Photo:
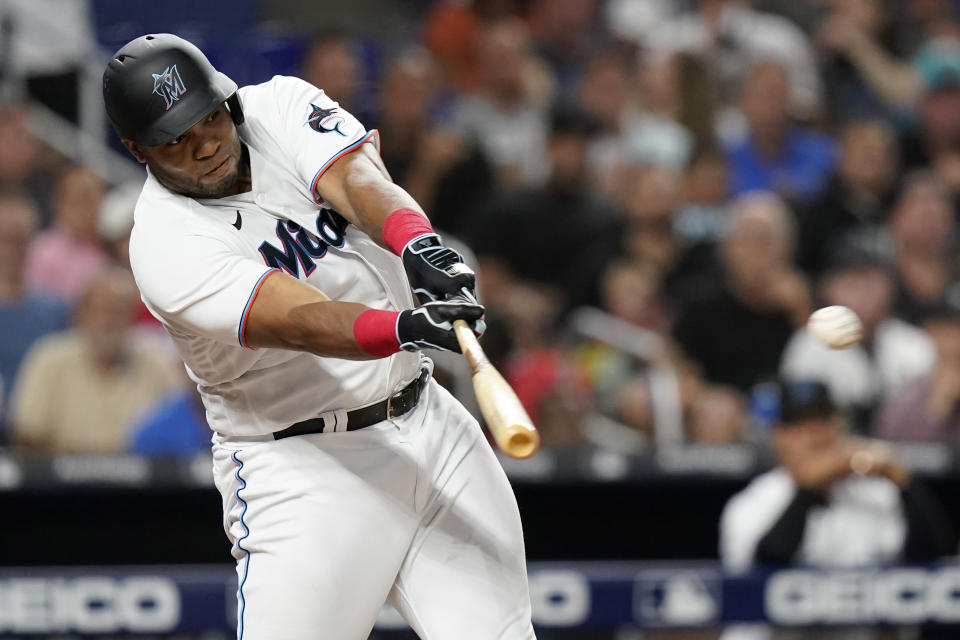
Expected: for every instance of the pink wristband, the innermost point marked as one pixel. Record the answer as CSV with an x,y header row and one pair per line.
x,y
402,226
376,332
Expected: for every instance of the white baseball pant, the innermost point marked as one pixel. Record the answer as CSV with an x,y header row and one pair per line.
x,y
415,510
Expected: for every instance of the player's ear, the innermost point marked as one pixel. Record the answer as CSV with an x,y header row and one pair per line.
x,y
134,150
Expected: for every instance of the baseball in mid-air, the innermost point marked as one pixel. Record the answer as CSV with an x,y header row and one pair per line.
x,y
837,327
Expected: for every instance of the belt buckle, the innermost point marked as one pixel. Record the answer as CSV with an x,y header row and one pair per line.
x,y
400,395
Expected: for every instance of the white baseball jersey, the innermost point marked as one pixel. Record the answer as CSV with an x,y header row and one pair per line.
x,y
199,264
862,525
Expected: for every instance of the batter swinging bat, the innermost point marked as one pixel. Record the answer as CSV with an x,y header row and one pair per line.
x,y
508,422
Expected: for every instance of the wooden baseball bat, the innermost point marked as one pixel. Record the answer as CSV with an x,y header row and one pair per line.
x,y
506,418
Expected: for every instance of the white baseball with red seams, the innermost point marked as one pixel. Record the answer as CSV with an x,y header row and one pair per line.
x,y
836,326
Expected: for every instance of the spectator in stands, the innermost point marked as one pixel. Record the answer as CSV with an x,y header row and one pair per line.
x,y
633,407
926,31
558,236
176,426
919,22
928,409
651,195
25,316
114,224
774,154
698,101
734,36
20,169
833,501
436,166
330,62
633,364
651,237
861,72
553,393
756,303
891,353
631,292
81,390
857,196
680,110
63,258
718,415
934,140
506,117
606,92
451,31
923,229
703,216
703,414
657,135
408,90
561,31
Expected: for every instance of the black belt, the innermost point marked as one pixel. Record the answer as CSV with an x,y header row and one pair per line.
x,y
394,406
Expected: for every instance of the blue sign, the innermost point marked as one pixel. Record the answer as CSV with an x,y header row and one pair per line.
x,y
194,600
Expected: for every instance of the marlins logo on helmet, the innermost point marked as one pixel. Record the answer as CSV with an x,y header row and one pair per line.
x,y
168,85
320,120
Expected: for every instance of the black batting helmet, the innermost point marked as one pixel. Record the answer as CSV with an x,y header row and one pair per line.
x,y
158,86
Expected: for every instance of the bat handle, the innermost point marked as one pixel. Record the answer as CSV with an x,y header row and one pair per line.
x,y
472,350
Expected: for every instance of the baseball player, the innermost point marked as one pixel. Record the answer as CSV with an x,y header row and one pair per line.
x,y
272,245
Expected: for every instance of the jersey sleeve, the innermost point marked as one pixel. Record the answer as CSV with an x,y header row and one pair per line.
x,y
198,284
315,129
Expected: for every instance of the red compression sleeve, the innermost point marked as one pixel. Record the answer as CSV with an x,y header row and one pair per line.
x,y
402,226
376,332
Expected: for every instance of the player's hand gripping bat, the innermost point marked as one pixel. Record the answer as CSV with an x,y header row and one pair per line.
x,y
508,422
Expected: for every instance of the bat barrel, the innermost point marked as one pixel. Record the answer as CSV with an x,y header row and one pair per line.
x,y
504,414
522,442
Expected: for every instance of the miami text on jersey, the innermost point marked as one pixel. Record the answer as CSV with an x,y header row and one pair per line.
x,y
301,248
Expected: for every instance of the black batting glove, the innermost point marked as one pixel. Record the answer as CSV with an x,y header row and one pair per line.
x,y
437,272
430,326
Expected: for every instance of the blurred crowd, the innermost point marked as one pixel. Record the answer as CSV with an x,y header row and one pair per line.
x,y
655,194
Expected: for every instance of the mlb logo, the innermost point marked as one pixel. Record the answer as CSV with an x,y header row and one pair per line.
x,y
677,597
168,85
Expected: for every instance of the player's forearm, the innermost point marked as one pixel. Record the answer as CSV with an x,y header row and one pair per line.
x,y
356,332
359,187
323,328
373,204
330,329
287,313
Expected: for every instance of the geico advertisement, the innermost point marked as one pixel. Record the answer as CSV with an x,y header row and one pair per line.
x,y
89,604
205,599
893,596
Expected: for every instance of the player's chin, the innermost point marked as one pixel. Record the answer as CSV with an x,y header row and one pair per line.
x,y
221,182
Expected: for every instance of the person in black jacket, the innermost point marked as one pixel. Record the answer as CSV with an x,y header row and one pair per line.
x,y
832,501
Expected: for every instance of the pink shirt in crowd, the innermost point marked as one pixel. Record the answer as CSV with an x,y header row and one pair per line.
x,y
906,417
61,266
